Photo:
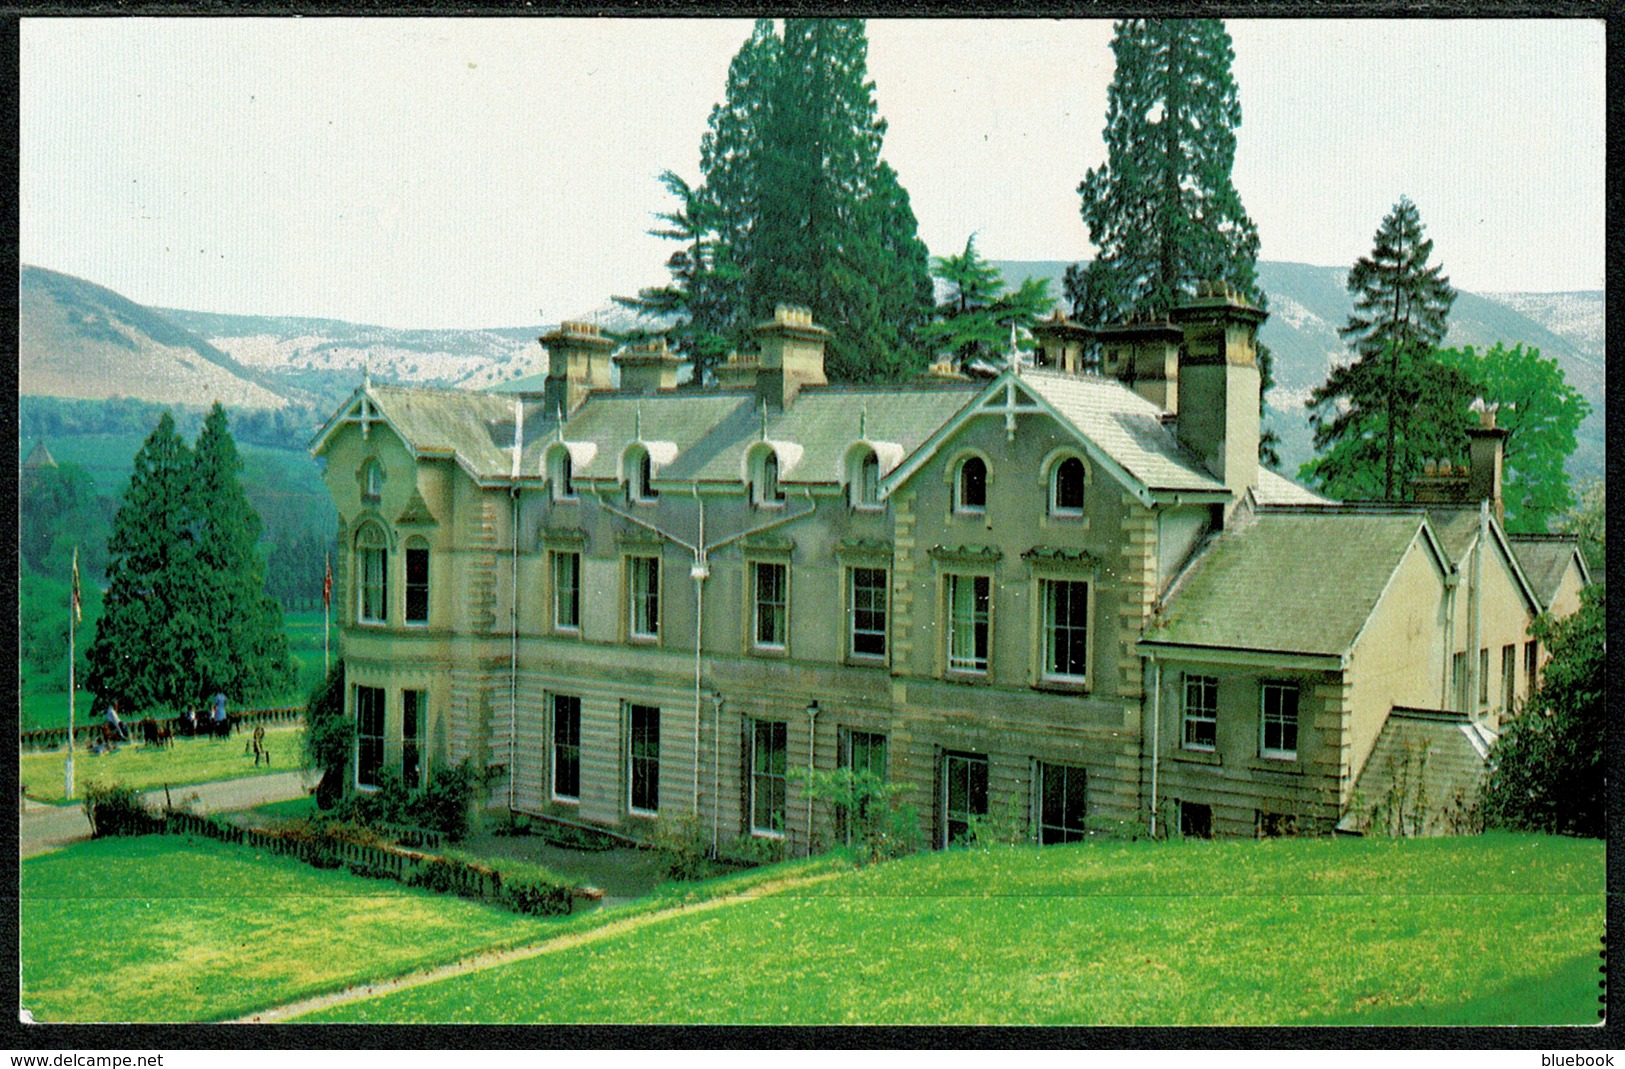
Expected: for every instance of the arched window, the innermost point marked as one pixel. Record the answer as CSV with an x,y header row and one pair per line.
x,y
417,581
639,475
869,480
560,473
768,490
970,488
372,481
1067,481
372,573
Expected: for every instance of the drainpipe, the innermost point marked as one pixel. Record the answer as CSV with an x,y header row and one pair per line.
x,y
700,572
716,770
812,723
513,610
1156,735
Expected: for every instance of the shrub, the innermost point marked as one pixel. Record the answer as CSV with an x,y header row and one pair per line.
x,y
536,898
116,809
752,850
329,735
514,824
867,814
573,838
682,846
443,804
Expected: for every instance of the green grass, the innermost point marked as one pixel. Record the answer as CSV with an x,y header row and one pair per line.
x,y
166,928
43,709
190,761
163,928
1440,932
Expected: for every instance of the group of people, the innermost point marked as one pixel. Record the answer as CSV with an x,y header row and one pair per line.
x,y
189,719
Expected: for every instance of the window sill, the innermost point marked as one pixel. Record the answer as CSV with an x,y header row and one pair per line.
x,y
966,675
1197,757
874,508
1068,515
770,651
775,836
573,802
866,660
643,640
380,624
416,625
1284,765
644,814
1063,686
567,632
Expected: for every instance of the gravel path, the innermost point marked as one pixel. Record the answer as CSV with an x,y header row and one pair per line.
x,y
504,957
42,827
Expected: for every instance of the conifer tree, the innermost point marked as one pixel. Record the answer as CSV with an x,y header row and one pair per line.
x,y
1377,419
1162,211
974,321
152,619
244,650
800,208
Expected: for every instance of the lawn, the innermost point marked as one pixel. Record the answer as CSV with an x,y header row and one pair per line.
x,y
189,761
172,928
49,708
1497,929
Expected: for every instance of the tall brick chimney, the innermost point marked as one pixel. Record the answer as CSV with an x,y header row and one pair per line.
x,y
1144,353
648,367
577,363
1061,343
1218,383
1486,448
792,355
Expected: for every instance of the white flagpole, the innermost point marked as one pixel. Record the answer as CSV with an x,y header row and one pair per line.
x,y
73,608
327,611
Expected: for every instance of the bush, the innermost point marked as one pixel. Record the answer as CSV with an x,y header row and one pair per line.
x,y
443,804
1547,767
329,735
682,846
752,850
115,809
573,838
536,898
866,811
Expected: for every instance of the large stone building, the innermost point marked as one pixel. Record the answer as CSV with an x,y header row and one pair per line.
x,y
1054,595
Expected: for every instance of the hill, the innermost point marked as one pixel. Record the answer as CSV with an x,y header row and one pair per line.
x,y
78,339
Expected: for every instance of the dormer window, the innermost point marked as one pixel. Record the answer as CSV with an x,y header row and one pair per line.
x,y
560,473
372,482
639,476
1067,481
970,488
865,481
769,493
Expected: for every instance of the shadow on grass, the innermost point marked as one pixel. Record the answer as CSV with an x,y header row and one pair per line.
x,y
1568,995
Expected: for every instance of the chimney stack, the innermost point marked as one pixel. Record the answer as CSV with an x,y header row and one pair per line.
x,y
1145,355
577,363
1061,343
649,367
1218,383
792,355
1486,446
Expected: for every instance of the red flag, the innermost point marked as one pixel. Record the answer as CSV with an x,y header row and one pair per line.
x,y
77,612
327,584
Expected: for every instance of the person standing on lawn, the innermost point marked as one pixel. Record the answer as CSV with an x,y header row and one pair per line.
x,y
113,722
219,714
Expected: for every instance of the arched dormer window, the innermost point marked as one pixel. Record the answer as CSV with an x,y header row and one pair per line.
x,y
560,473
768,492
372,481
866,481
372,574
639,475
1066,487
970,486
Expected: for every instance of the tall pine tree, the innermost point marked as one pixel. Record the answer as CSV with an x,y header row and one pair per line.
x,y
245,650
1162,211
974,322
1377,419
796,206
152,624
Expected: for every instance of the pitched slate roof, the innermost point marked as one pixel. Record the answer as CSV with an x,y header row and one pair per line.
x,y
1289,582
1544,559
1126,426
1447,748
1276,489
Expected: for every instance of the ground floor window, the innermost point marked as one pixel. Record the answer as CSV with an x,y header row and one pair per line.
x,y
414,710
644,758
964,795
1201,712
1279,720
1509,676
1061,797
864,752
1531,667
369,735
566,748
769,764
1195,820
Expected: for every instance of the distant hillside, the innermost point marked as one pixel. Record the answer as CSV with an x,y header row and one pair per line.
x,y
78,339
326,357
1308,303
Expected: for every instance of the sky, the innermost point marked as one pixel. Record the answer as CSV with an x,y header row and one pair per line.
x,y
493,172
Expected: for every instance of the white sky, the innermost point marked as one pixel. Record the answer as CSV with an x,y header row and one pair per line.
x,y
494,172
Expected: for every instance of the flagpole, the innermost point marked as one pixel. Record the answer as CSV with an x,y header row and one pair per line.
x,y
73,609
327,611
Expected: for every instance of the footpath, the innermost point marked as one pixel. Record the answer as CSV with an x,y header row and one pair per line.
x,y
42,827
